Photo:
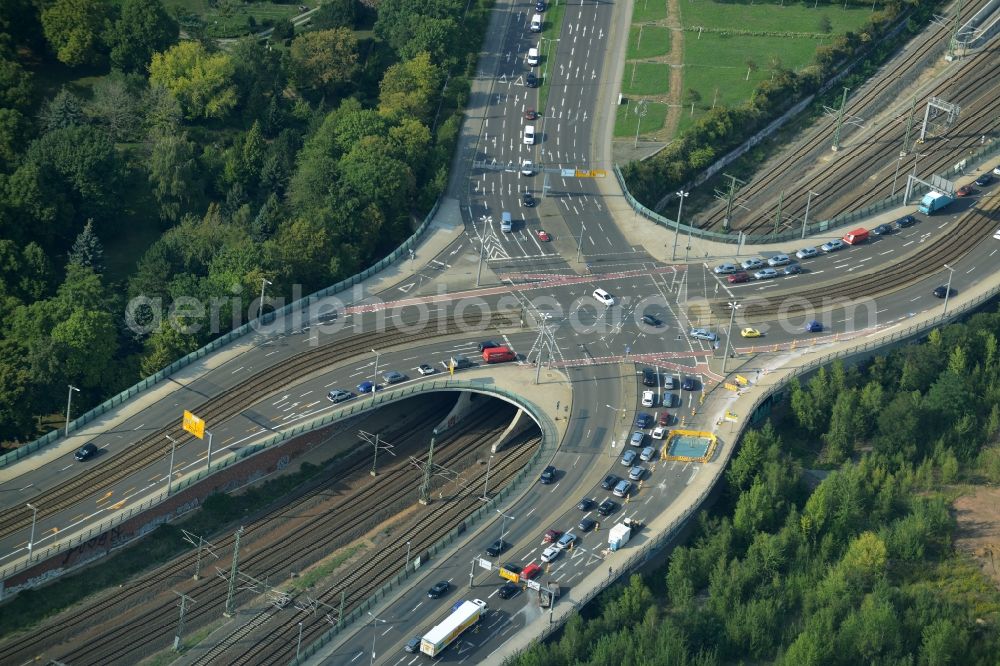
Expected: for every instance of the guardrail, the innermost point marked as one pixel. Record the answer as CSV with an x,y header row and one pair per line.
x,y
549,440
974,159
651,547
42,554
218,343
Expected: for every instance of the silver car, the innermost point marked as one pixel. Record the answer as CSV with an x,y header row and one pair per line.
x,y
750,264
833,246
648,452
636,472
807,252
765,274
779,260
725,269
703,334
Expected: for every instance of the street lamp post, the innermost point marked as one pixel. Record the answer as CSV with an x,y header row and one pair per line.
x,y
208,460
69,402
375,633
947,289
677,230
375,375
579,246
34,518
298,647
407,566
260,305
733,305
487,484
170,472
805,220
899,161
503,523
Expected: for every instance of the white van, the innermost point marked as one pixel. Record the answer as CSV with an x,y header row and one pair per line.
x,y
536,23
529,135
506,224
533,57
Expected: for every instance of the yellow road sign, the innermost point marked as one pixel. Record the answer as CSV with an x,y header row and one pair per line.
x,y
193,425
592,173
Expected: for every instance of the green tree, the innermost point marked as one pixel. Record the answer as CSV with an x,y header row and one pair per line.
x,y
87,249
144,28
113,105
323,59
13,127
844,428
252,155
16,89
163,112
164,346
201,82
266,221
335,14
409,89
174,175
283,29
17,384
75,29
943,644
62,111
91,340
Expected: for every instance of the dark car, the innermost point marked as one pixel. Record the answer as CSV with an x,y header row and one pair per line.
x,y
530,114
439,589
507,590
905,221
882,230
650,320
586,524
511,567
528,199
368,387
87,451
737,278
814,327
688,384
664,419
393,377
609,482
548,475
539,5
649,377
497,547
586,504
643,420
488,344
792,269
607,507
985,179
531,80
413,645
942,291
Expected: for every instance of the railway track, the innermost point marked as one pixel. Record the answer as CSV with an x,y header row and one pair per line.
x,y
150,629
278,645
977,226
226,405
806,152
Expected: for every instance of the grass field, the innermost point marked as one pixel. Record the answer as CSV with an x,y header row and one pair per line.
x,y
646,78
770,17
625,119
655,42
644,11
231,19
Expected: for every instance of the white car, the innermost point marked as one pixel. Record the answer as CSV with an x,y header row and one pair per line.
x,y
529,135
779,260
765,274
997,234
550,553
807,252
527,168
725,269
659,432
750,264
533,56
604,297
648,398
996,170
703,334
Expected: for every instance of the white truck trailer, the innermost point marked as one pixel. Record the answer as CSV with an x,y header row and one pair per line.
x,y
464,616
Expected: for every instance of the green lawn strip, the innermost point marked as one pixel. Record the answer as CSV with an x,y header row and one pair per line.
x,y
646,78
169,656
625,119
163,544
546,48
323,569
655,41
733,52
771,17
644,11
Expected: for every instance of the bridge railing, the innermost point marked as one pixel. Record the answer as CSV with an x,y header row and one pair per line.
x,y
250,327
975,158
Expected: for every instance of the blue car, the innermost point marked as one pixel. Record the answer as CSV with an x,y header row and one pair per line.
x,y
368,387
638,437
643,420
814,327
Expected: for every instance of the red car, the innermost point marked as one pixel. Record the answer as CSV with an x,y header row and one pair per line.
x,y
664,419
736,278
543,235
551,535
531,571
530,114
966,191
